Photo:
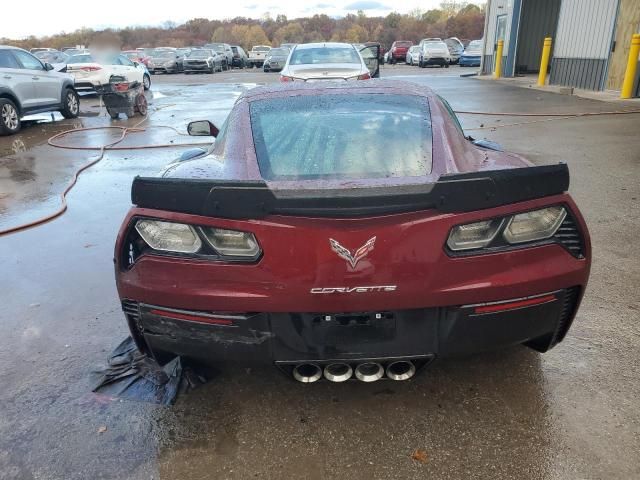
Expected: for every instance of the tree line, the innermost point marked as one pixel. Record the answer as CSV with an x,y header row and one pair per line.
x,y
453,18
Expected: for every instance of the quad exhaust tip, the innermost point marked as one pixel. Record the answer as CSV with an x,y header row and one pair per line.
x,y
307,372
401,370
369,372
338,372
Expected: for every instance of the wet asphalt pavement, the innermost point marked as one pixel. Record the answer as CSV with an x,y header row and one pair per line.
x,y
570,413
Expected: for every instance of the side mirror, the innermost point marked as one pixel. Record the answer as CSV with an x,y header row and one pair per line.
x,y
48,66
202,128
136,64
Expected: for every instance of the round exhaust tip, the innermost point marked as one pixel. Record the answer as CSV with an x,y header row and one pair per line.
x,y
369,372
307,372
401,370
338,372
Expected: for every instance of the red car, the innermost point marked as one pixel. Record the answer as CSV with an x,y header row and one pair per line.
x,y
137,56
398,51
349,230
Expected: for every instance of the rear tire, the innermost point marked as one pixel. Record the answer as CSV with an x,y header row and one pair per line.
x,y
113,114
70,104
9,117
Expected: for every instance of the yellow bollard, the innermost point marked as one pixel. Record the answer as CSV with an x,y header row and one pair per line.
x,y
497,73
632,65
544,61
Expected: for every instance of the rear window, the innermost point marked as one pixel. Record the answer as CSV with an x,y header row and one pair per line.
x,y
342,136
404,44
310,56
81,59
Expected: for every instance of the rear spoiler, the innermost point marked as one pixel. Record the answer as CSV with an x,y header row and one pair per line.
x,y
452,193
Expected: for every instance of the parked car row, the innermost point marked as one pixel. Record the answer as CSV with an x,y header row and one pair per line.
x,y
435,51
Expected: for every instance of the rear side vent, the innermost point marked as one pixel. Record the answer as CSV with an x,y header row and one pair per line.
x,y
570,238
131,310
569,303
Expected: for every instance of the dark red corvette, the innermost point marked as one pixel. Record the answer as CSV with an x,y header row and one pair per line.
x,y
349,230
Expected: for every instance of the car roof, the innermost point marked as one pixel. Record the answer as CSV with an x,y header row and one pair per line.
x,y
7,47
303,46
377,85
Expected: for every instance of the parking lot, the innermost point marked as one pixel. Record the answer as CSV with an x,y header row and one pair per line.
x,y
570,413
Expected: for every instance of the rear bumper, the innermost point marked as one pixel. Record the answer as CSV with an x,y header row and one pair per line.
x,y
540,321
162,70
435,61
197,68
470,61
84,86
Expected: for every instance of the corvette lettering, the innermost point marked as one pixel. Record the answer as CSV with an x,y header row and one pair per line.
x,y
368,289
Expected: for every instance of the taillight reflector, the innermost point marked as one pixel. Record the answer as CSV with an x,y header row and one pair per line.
x,y
364,76
284,78
500,307
192,318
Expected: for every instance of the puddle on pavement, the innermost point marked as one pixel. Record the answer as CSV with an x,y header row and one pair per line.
x,y
32,173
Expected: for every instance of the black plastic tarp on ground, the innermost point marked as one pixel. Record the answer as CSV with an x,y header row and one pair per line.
x,y
132,375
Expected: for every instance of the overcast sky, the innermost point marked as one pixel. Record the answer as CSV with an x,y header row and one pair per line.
x,y
22,18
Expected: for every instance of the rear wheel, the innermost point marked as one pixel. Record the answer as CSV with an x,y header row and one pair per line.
x,y
9,117
70,104
113,114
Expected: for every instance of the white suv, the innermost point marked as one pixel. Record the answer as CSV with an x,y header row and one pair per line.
x,y
29,86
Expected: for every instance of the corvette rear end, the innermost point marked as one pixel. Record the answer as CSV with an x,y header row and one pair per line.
x,y
340,250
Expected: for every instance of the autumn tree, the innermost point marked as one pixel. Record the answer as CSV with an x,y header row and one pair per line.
x,y
454,18
290,33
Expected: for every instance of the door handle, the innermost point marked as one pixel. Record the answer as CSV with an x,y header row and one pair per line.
x,y
8,77
35,78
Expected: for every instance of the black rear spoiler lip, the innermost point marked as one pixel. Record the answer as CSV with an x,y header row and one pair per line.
x,y
452,193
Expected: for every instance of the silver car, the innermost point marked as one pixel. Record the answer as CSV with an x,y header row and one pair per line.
x,y
203,60
413,55
29,86
331,61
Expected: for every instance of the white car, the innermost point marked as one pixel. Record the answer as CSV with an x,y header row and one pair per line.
x,y
413,55
331,61
434,52
90,72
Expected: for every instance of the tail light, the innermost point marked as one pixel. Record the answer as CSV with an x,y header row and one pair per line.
x,y
284,78
199,241
90,69
364,76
